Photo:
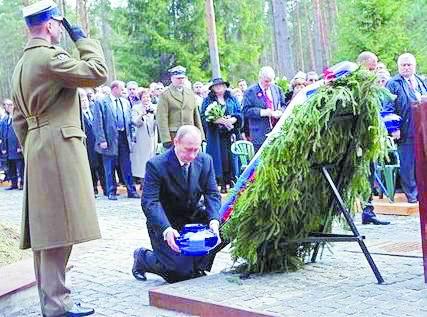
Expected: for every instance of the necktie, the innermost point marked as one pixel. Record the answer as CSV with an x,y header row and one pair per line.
x,y
269,104
411,83
89,115
268,101
185,172
119,116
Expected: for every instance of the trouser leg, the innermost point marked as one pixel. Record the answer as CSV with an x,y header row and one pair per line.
x,y
407,170
100,172
20,166
12,172
49,267
109,163
170,265
94,179
125,164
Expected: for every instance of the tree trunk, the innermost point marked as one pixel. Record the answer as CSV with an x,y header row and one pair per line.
x,y
269,57
213,43
82,14
300,52
317,31
282,38
106,46
325,27
309,32
332,20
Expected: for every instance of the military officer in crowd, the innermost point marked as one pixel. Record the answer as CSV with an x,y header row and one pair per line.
x,y
59,203
178,106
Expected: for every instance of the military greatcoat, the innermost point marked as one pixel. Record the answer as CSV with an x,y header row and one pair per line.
x,y
175,109
59,205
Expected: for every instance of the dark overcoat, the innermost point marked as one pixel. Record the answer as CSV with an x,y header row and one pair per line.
x,y
253,102
402,104
90,141
216,135
105,125
168,201
10,142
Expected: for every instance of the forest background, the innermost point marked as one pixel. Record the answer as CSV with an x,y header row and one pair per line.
x,y
142,39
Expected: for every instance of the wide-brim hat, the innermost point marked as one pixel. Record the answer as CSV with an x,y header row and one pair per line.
x,y
218,81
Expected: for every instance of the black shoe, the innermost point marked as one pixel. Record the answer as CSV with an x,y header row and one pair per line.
x,y
77,311
21,187
112,197
199,273
223,190
369,216
137,272
12,187
133,195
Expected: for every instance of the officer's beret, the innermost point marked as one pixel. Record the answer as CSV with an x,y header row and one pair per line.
x,y
40,12
177,71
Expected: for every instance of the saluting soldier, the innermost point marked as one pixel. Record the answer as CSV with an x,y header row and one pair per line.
x,y
59,203
178,106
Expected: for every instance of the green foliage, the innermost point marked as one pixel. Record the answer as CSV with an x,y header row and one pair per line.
x,y
283,84
242,33
12,37
151,36
289,197
385,27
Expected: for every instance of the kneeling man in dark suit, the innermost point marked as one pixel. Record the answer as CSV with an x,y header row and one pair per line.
x,y
174,184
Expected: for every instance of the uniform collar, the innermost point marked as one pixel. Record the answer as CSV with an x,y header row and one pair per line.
x,y
37,42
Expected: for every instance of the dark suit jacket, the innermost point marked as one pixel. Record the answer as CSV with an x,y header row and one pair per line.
x,y
168,201
253,102
90,141
105,125
402,104
10,142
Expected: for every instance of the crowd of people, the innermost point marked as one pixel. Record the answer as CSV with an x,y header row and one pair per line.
x,y
126,123
52,113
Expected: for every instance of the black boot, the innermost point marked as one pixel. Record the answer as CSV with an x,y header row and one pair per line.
x,y
369,216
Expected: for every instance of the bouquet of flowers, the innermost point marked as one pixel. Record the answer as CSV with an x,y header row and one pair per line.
x,y
214,111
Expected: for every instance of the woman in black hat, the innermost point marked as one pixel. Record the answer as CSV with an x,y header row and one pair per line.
x,y
221,132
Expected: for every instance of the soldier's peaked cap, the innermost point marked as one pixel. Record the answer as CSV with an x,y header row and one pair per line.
x,y
41,12
178,71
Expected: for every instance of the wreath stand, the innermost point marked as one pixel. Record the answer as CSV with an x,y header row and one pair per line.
x,y
337,204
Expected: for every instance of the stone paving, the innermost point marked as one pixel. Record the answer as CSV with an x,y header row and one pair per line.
x,y
100,270
340,284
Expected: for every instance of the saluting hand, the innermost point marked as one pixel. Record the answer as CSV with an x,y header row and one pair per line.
x,y
76,32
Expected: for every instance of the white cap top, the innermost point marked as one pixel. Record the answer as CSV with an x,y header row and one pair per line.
x,y
38,7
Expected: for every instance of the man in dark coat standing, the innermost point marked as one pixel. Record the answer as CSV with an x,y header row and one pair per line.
x,y
11,149
90,141
263,105
408,88
113,131
173,186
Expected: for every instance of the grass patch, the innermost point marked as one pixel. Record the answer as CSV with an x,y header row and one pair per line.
x,y
9,245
